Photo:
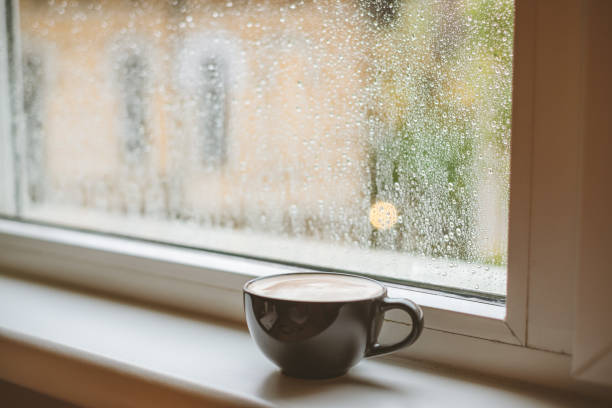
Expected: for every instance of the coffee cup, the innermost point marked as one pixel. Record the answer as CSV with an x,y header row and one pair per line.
x,y
318,325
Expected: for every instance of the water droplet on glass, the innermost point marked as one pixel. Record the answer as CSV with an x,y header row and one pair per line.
x,y
380,131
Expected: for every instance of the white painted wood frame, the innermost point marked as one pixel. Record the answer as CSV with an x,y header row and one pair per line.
x,y
592,345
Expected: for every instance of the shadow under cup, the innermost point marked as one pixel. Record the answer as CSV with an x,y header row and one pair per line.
x,y
321,338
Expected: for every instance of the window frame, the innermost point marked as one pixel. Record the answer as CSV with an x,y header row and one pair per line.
x,y
592,337
527,327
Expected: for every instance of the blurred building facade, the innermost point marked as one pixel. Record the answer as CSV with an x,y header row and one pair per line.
x,y
195,110
290,117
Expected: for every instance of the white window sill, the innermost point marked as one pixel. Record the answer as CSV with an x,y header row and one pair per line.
x,y
103,352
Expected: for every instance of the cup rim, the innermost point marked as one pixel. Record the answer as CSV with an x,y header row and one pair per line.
x,y
382,294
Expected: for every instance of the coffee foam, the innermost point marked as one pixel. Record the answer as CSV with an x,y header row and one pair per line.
x,y
316,288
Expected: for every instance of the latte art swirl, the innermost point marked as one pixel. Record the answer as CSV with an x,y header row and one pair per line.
x,y
316,288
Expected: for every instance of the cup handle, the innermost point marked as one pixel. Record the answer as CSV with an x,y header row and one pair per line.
x,y
416,314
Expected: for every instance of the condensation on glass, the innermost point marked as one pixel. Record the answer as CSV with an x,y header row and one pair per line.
x,y
361,135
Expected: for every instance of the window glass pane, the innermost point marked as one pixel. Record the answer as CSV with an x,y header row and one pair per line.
x,y
361,135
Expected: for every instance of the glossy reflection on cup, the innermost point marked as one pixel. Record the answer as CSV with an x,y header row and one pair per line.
x,y
318,325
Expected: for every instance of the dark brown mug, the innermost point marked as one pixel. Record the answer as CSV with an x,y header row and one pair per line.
x,y
323,339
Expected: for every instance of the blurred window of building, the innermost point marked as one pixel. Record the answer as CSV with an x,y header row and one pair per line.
x,y
212,111
33,106
132,73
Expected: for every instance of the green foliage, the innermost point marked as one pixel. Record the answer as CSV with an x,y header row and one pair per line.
x,y
446,85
